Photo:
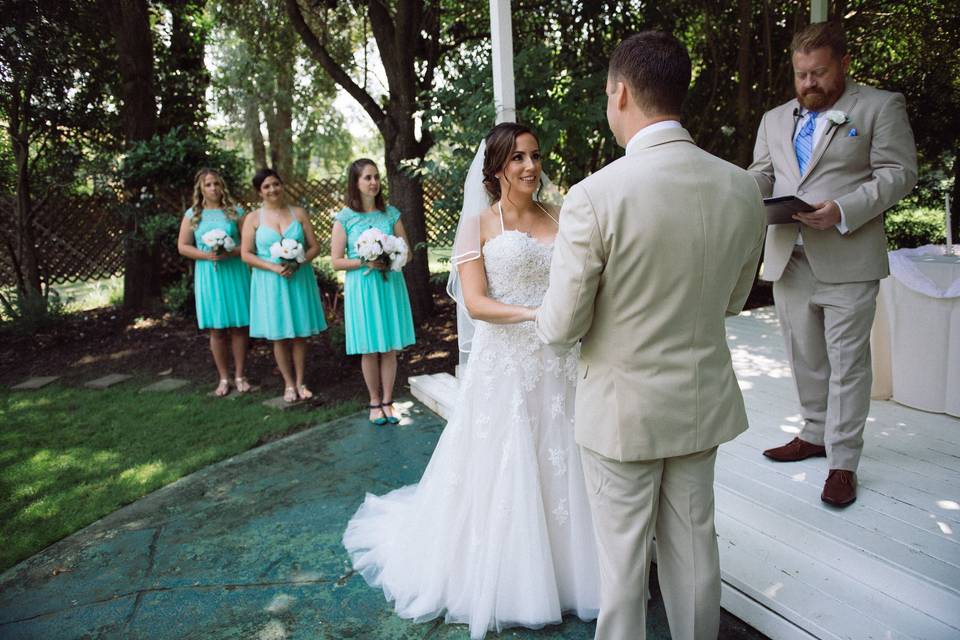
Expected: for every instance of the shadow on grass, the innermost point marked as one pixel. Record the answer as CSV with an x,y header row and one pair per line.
x,y
71,456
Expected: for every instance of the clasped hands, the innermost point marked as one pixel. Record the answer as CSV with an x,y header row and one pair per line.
x,y
825,215
376,265
286,269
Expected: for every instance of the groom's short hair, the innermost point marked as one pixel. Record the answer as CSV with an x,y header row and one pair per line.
x,y
656,68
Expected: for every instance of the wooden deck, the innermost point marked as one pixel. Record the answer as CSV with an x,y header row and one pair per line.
x,y
887,567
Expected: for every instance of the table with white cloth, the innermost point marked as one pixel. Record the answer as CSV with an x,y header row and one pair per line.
x,y
916,333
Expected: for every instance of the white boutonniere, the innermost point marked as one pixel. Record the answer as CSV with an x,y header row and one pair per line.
x,y
837,118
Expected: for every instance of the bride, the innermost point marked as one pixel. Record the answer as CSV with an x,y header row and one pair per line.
x,y
498,531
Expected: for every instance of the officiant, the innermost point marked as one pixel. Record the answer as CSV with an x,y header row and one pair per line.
x,y
848,150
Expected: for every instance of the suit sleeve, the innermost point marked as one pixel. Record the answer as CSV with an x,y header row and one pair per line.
x,y
748,272
893,158
578,260
762,166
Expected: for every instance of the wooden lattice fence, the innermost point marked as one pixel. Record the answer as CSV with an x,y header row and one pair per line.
x,y
80,237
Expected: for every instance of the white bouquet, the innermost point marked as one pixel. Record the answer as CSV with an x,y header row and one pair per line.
x,y
289,251
219,242
375,246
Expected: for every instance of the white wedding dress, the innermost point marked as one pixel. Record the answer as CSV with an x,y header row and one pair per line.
x,y
498,531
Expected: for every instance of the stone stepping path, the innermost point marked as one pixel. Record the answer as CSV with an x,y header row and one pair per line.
x,y
169,384
281,404
107,381
233,394
31,384
166,384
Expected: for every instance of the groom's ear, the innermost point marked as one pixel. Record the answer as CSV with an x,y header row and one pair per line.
x,y
619,94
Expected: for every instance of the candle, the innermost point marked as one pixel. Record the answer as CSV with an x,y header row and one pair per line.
x,y
949,235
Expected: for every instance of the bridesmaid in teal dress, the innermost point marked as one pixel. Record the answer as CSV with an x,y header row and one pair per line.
x,y
221,282
376,310
285,302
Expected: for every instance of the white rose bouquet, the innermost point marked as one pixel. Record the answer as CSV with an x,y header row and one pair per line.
x,y
377,247
289,251
219,242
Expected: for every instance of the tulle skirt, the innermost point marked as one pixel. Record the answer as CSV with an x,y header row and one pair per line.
x,y
498,531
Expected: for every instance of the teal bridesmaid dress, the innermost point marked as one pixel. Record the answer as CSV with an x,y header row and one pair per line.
x,y
283,308
221,289
376,312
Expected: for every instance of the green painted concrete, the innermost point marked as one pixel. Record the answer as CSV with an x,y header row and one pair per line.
x,y
247,548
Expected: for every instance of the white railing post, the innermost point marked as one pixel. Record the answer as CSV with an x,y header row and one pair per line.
x,y
501,31
819,10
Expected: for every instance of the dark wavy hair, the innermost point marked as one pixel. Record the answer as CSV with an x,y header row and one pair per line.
x,y
500,143
262,175
352,198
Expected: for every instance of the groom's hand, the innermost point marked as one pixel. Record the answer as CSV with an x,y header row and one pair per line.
x,y
825,215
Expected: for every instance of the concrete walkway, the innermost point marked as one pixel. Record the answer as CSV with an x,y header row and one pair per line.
x,y
248,548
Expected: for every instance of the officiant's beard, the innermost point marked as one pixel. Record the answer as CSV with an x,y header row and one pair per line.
x,y
820,98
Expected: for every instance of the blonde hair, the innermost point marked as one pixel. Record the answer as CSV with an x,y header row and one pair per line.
x,y
226,201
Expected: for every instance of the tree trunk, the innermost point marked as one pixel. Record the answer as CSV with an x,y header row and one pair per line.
x,y
130,21
280,120
186,78
406,194
29,283
251,117
396,37
744,121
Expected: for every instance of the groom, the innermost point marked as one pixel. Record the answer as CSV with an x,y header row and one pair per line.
x,y
653,252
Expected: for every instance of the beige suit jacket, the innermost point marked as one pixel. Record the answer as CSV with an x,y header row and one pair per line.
x,y
653,251
865,174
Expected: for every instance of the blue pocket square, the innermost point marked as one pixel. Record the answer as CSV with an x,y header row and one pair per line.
x,y
852,133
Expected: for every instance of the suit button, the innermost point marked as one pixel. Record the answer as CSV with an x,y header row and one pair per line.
x,y
799,192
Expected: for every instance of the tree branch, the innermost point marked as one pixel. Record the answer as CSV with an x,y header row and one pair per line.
x,y
329,65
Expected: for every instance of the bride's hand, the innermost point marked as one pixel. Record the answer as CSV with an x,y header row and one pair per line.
x,y
530,314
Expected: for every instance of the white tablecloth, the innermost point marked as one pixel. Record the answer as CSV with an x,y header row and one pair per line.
x,y
916,333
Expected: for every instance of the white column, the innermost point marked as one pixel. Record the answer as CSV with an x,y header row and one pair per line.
x,y
819,10
501,31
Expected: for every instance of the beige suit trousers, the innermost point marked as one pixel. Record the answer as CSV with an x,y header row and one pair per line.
x,y
672,497
826,327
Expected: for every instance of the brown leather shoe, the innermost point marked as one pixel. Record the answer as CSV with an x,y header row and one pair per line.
x,y
840,489
795,450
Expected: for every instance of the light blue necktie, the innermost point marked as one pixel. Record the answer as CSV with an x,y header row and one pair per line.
x,y
803,145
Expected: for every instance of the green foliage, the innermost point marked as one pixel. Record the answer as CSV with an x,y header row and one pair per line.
x,y
337,337
178,297
909,228
327,279
254,47
25,314
165,166
170,160
181,75
68,457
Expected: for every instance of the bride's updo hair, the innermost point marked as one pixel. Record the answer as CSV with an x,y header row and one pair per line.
x,y
500,143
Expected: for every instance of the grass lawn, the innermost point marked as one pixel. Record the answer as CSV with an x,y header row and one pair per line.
x,y
71,456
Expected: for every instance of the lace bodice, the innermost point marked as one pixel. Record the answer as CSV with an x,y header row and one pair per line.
x,y
518,268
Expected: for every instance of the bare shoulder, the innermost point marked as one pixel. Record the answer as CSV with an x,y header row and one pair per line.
x,y
300,214
489,224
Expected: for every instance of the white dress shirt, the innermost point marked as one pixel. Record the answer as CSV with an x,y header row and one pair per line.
x,y
650,128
